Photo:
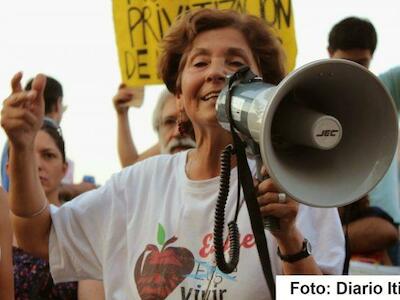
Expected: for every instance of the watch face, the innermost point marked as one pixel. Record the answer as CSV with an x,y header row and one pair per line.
x,y
308,247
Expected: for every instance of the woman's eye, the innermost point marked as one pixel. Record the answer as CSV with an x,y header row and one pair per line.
x,y
200,64
236,63
49,155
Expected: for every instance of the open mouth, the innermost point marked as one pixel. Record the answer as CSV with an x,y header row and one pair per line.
x,y
210,96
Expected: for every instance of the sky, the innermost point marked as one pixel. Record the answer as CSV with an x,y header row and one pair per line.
x,y
74,42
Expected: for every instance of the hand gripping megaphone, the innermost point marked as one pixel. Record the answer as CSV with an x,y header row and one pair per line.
x,y
327,133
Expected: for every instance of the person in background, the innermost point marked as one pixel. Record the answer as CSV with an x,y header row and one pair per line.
x,y
391,79
54,109
31,273
165,117
353,39
147,232
6,267
372,221
371,232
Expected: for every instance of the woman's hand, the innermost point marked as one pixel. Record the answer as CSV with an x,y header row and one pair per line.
x,y
289,239
271,205
23,111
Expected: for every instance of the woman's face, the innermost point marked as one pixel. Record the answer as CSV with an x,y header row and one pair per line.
x,y
213,55
50,163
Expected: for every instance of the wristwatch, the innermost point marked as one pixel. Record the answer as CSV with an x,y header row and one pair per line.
x,y
304,252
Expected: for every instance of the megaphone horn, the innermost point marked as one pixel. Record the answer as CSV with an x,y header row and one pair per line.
x,y
327,133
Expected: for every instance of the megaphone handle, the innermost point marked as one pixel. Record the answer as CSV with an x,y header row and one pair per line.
x,y
271,223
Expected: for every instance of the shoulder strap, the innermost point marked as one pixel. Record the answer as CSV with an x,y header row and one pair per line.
x,y
246,181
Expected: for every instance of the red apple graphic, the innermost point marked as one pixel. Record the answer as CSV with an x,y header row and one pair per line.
x,y
158,273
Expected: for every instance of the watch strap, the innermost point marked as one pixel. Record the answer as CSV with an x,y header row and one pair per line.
x,y
303,253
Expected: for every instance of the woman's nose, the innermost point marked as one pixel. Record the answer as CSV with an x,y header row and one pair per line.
x,y
217,72
39,162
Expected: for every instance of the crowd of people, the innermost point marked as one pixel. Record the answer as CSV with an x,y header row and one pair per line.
x,y
147,233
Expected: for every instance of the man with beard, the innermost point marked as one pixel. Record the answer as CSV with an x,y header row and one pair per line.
x,y
165,116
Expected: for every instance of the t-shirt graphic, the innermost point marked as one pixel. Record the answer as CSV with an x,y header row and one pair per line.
x,y
158,273
113,234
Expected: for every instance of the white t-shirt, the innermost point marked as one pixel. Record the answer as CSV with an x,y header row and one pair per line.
x,y
148,232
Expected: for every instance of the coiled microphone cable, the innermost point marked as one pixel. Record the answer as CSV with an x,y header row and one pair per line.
x,y
233,231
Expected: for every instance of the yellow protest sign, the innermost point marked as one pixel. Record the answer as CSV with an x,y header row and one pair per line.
x,y
141,24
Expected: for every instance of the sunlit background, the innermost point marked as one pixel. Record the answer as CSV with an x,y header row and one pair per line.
x,y
74,42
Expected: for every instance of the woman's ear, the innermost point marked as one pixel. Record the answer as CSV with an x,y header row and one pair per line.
x,y
179,102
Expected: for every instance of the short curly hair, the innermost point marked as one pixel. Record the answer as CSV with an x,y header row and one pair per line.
x,y
262,40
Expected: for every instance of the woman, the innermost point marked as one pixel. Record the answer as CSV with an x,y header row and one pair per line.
x,y
6,279
31,274
148,231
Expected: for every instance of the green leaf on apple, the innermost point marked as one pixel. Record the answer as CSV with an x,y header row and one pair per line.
x,y
160,235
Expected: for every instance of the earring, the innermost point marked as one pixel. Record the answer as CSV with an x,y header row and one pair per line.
x,y
184,125
181,125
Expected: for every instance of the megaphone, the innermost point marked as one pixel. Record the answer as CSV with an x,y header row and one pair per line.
x,y
327,133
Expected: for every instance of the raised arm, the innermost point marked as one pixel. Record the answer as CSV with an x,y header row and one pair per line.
x,y
126,148
127,152
21,118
